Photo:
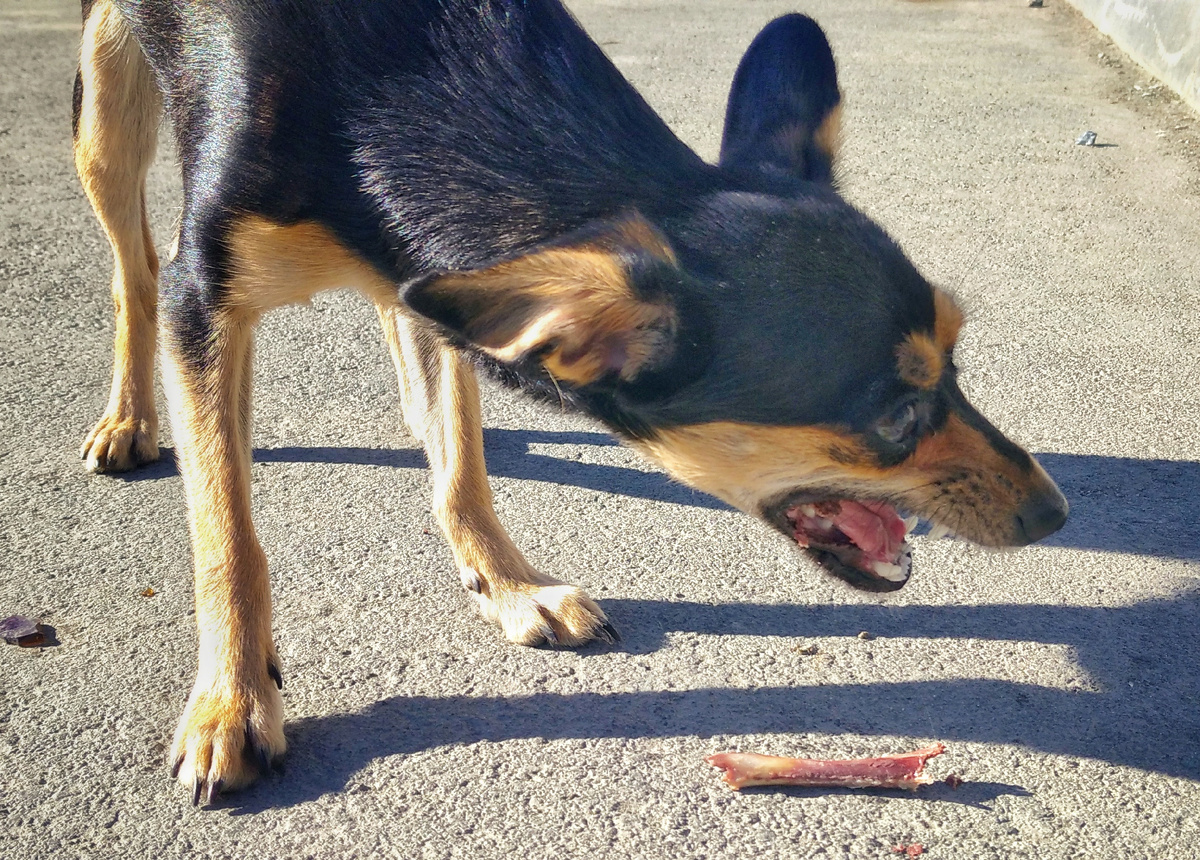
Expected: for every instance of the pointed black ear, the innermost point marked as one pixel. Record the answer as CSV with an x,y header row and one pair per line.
x,y
784,112
588,306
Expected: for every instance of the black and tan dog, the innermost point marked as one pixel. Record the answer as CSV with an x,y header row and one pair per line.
x,y
485,176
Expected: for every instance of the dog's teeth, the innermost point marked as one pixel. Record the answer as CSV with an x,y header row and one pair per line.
x,y
938,532
808,510
892,572
910,523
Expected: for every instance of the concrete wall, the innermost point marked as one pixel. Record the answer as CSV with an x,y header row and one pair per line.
x,y
1162,35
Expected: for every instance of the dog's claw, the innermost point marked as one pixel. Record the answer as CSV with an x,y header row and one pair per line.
x,y
273,671
214,789
609,633
256,752
547,627
472,581
264,760
226,738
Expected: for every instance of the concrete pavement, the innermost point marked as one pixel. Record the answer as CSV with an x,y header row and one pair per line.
x,y
1063,678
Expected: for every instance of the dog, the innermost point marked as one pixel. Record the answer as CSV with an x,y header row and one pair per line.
x,y
483,174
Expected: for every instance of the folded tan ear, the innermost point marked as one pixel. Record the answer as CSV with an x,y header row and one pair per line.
x,y
591,306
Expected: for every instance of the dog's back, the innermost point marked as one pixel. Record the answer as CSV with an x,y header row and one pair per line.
x,y
321,110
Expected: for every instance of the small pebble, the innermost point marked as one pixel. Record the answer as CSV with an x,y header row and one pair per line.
x,y
954,780
865,636
1036,4
1088,138
807,650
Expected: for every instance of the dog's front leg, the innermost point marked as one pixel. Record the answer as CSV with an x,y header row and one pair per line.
x,y
232,727
440,397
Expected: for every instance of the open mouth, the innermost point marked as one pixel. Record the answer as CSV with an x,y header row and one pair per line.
x,y
862,542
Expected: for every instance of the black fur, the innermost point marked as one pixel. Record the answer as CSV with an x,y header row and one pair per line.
x,y
435,136
76,104
444,137
784,89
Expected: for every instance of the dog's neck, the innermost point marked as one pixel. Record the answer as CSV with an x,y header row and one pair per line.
x,y
462,168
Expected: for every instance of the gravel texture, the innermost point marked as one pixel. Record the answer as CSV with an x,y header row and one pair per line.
x,y
1063,678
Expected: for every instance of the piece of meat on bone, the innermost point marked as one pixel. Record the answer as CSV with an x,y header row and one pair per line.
x,y
889,771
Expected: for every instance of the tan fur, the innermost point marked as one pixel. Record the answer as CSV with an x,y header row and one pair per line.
x,y
277,264
948,319
977,491
954,477
582,296
577,309
440,398
745,464
634,231
118,127
920,361
794,139
271,265
828,136
210,418
921,357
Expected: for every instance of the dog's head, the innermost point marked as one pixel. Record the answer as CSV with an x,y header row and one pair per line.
x,y
767,344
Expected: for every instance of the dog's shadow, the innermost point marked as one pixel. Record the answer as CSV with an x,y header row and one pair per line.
x,y
1140,710
508,456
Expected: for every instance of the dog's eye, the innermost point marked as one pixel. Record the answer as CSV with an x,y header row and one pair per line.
x,y
901,425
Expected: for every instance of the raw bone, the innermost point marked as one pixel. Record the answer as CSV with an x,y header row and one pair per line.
x,y
888,771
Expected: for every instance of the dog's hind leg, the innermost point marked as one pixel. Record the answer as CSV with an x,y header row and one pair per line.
x,y
117,109
440,398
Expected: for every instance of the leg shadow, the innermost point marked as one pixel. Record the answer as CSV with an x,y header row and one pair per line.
x,y
1144,715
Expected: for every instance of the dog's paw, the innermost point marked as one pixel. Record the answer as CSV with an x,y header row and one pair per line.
x,y
229,734
541,611
119,443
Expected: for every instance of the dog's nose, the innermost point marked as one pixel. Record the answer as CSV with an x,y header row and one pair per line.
x,y
1042,515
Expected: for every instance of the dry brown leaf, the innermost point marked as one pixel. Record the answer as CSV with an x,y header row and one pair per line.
x,y
22,631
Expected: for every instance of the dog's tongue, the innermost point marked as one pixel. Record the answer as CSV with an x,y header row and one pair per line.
x,y
875,527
